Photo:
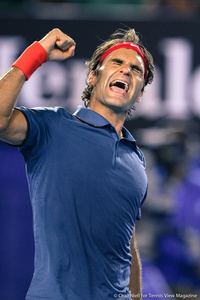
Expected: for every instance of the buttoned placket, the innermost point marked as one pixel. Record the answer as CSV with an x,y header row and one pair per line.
x,y
94,119
116,147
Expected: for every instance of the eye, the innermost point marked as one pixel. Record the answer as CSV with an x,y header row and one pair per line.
x,y
117,62
137,69
134,68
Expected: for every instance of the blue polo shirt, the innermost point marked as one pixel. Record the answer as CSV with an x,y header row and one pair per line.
x,y
86,187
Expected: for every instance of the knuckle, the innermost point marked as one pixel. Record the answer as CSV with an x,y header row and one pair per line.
x,y
56,29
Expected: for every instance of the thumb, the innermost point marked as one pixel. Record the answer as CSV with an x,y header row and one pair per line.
x,y
69,52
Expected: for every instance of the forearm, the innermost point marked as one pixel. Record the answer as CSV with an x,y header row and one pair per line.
x,y
135,285
13,125
54,46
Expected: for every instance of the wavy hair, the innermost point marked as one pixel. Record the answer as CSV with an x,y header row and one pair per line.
x,y
118,36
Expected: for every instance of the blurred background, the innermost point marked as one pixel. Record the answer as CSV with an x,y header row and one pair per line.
x,y
166,125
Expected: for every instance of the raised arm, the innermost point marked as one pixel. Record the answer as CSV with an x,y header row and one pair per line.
x,y
13,126
135,285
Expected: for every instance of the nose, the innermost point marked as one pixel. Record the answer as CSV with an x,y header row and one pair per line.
x,y
126,70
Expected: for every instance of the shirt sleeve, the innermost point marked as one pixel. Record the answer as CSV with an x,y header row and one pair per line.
x,y
42,123
142,159
139,215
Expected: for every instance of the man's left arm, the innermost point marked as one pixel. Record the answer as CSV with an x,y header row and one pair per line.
x,y
135,285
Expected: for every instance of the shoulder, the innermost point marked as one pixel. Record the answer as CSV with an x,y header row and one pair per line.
x,y
43,123
43,110
45,114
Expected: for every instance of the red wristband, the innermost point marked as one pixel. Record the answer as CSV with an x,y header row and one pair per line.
x,y
31,59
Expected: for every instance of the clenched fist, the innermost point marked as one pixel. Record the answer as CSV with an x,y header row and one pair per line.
x,y
58,45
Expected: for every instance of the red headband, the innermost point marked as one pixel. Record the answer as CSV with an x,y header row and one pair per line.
x,y
129,45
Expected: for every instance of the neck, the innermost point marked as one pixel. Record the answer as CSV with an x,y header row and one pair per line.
x,y
116,119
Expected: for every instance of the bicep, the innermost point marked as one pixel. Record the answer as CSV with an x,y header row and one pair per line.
x,y
134,248
135,284
17,129
133,242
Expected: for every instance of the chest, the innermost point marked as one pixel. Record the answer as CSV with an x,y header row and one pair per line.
x,y
95,179
94,162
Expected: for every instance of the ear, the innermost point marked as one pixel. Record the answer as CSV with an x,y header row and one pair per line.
x,y
92,78
139,98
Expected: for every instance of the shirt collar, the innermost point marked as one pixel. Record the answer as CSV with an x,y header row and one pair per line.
x,y
91,117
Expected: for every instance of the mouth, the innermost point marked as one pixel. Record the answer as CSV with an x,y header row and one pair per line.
x,y
119,86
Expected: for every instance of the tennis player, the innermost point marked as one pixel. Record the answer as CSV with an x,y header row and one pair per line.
x,y
86,174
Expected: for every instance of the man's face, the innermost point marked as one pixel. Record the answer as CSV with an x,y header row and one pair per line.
x,y
120,80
